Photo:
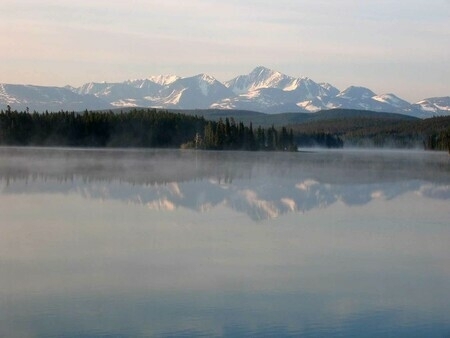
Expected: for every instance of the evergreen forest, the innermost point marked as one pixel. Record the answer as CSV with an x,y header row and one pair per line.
x,y
140,128
152,128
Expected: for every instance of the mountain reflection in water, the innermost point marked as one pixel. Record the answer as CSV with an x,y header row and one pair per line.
x,y
262,185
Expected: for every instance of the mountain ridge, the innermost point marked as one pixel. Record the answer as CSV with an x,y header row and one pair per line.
x,y
263,90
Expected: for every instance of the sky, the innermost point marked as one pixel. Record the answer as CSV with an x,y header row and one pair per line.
x,y
389,46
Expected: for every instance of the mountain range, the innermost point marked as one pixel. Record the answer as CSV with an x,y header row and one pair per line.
x,y
262,90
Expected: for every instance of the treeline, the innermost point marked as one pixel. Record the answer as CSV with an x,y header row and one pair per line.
x,y
136,128
229,135
151,128
437,132
438,141
147,128
319,139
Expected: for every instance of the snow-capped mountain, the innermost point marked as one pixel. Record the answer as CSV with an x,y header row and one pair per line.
x,y
391,99
261,77
40,98
271,91
198,92
163,80
117,94
262,90
434,105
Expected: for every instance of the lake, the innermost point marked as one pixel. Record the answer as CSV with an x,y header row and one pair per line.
x,y
171,243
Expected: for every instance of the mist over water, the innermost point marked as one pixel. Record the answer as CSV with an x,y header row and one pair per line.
x,y
185,243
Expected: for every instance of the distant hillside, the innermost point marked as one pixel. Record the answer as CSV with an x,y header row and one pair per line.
x,y
244,116
284,119
344,121
382,130
247,116
334,114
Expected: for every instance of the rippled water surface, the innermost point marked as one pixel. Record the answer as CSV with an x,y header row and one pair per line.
x,y
181,243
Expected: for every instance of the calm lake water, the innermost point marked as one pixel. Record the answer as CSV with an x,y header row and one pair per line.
x,y
138,243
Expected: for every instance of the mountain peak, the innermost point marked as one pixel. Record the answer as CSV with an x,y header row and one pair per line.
x,y
265,74
163,80
206,77
258,78
260,70
357,92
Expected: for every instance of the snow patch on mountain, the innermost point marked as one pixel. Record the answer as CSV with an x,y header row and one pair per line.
x,y
392,100
312,106
442,103
329,89
164,80
434,105
309,106
174,97
5,97
204,83
224,104
125,103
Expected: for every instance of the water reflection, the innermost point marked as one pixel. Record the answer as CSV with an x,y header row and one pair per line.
x,y
171,243
261,185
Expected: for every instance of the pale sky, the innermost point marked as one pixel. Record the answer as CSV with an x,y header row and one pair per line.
x,y
389,46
